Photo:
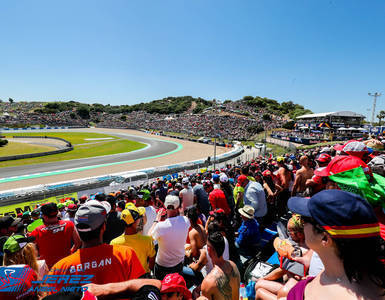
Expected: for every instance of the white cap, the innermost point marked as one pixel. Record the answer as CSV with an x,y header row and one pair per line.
x,y
171,200
223,178
185,180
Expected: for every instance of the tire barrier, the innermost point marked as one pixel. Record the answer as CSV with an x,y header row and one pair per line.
x,y
69,147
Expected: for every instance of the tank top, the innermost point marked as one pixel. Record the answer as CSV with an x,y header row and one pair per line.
x,y
297,292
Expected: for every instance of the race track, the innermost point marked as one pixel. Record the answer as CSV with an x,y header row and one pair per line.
x,y
160,151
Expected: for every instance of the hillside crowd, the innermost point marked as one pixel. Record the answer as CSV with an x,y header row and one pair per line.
x,y
307,225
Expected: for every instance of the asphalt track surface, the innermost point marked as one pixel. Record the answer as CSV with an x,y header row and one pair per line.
x,y
161,151
154,148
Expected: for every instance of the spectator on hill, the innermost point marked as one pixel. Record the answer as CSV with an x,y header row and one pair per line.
x,y
56,238
108,263
171,236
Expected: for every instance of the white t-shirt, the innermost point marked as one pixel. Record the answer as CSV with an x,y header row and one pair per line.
x,y
209,265
151,216
316,265
187,196
171,235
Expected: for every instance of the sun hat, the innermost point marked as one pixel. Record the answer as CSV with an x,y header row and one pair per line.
x,y
341,214
247,211
353,147
91,215
171,200
49,209
342,163
175,283
16,242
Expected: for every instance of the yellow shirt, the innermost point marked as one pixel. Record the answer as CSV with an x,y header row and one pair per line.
x,y
142,244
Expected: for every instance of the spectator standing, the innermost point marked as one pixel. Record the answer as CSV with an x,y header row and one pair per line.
x,y
71,211
302,175
171,236
150,213
254,196
114,225
201,198
108,263
218,199
186,195
56,238
142,244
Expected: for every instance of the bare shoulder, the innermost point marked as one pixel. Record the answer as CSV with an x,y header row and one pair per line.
x,y
235,271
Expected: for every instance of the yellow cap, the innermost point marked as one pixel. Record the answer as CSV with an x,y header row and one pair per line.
x,y
130,214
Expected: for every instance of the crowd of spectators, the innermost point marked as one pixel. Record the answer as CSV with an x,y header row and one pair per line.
x,y
196,236
226,122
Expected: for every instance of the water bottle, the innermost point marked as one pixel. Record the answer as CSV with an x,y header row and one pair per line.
x,y
242,292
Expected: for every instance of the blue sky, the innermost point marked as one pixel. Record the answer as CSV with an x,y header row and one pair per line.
x,y
325,55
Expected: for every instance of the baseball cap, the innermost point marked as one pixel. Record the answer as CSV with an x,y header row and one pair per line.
x,y
144,194
91,215
49,209
325,149
266,173
353,147
223,178
185,180
175,283
324,157
16,242
242,179
171,200
341,214
342,163
72,207
280,159
130,214
215,177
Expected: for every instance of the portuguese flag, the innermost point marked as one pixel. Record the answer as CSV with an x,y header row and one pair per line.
x,y
357,182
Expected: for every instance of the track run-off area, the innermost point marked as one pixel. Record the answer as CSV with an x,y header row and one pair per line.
x,y
159,151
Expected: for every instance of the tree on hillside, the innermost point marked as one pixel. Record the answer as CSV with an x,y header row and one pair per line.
x,y
10,100
380,116
83,111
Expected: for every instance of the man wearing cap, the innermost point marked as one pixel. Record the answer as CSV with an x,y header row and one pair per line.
x,y
114,225
144,199
56,238
343,229
71,211
218,199
248,234
108,263
254,196
36,220
186,195
7,228
142,244
171,236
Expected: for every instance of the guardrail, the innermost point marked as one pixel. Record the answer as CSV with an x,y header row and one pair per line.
x,y
52,190
30,155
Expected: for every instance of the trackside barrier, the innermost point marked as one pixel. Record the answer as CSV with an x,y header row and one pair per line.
x,y
30,155
36,193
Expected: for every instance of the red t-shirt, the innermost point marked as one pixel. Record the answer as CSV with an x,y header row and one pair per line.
x,y
108,263
54,241
217,199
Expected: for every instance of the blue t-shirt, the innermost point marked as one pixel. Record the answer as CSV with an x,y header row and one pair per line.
x,y
249,234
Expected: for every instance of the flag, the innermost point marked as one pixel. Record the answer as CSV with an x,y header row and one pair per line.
x,y
356,181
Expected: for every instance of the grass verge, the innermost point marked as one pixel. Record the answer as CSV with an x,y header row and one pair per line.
x,y
82,148
15,148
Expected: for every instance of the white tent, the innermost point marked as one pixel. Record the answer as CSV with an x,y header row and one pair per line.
x,y
342,128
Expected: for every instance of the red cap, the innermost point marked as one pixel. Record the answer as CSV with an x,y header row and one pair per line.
x,y
324,157
353,147
72,207
217,211
175,283
266,173
343,163
242,179
83,197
